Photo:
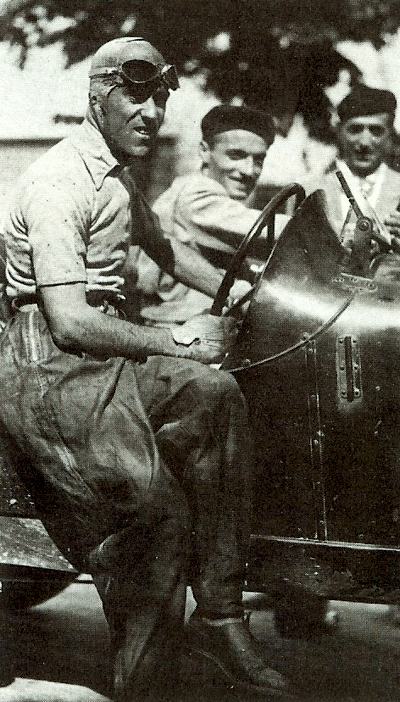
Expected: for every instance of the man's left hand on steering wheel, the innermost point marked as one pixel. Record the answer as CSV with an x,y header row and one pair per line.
x,y
239,289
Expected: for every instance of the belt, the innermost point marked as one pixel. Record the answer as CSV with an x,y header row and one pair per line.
x,y
24,302
109,303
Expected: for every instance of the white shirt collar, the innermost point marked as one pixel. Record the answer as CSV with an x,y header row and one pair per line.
x,y
376,179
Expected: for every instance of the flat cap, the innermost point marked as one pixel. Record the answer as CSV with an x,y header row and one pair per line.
x,y
110,56
224,118
366,101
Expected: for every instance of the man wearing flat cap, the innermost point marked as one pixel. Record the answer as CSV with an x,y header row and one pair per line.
x,y
135,451
209,209
364,136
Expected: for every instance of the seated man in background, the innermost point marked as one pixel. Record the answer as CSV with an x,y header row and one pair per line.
x,y
209,209
364,136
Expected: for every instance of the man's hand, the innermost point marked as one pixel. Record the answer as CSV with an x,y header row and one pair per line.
x,y
392,222
238,290
205,338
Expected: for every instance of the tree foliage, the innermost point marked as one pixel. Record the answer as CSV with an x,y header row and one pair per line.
x,y
276,52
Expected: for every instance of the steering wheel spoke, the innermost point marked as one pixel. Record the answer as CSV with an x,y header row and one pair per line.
x,y
266,218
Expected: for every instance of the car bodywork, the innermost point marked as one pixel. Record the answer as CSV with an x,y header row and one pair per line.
x,y
318,360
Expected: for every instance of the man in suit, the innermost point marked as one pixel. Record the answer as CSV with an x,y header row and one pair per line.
x,y
364,136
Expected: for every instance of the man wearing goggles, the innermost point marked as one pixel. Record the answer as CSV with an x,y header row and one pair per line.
x,y
138,451
128,92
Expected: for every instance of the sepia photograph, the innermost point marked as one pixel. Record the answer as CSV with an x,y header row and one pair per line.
x,y
199,350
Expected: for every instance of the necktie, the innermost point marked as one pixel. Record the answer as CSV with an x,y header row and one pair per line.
x,y
366,186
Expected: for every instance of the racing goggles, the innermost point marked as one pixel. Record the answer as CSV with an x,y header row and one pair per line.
x,y
144,78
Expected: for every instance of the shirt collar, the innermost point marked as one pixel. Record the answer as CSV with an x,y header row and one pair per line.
x,y
376,175
90,144
374,179
371,177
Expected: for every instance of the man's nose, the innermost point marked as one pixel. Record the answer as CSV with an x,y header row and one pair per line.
x,y
149,108
247,167
365,137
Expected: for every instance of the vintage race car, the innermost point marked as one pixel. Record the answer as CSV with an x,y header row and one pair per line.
x,y
318,359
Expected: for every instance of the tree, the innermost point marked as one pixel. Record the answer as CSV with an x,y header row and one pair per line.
x,y
275,54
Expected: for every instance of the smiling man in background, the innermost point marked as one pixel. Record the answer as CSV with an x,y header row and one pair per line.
x,y
209,209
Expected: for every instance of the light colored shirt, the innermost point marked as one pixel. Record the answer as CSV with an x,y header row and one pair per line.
x,y
70,221
370,186
198,211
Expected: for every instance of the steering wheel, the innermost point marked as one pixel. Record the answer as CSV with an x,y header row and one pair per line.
x,y
266,218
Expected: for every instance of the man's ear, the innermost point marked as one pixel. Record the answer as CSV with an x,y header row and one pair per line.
x,y
95,103
392,134
93,99
204,151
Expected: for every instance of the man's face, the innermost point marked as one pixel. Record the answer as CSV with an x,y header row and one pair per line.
x,y
364,142
235,160
131,127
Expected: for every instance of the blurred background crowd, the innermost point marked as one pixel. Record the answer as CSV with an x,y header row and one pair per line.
x,y
295,58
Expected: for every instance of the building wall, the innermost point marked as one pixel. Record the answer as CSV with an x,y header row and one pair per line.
x,y
15,157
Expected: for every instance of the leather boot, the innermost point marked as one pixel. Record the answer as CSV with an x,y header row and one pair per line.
x,y
229,645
